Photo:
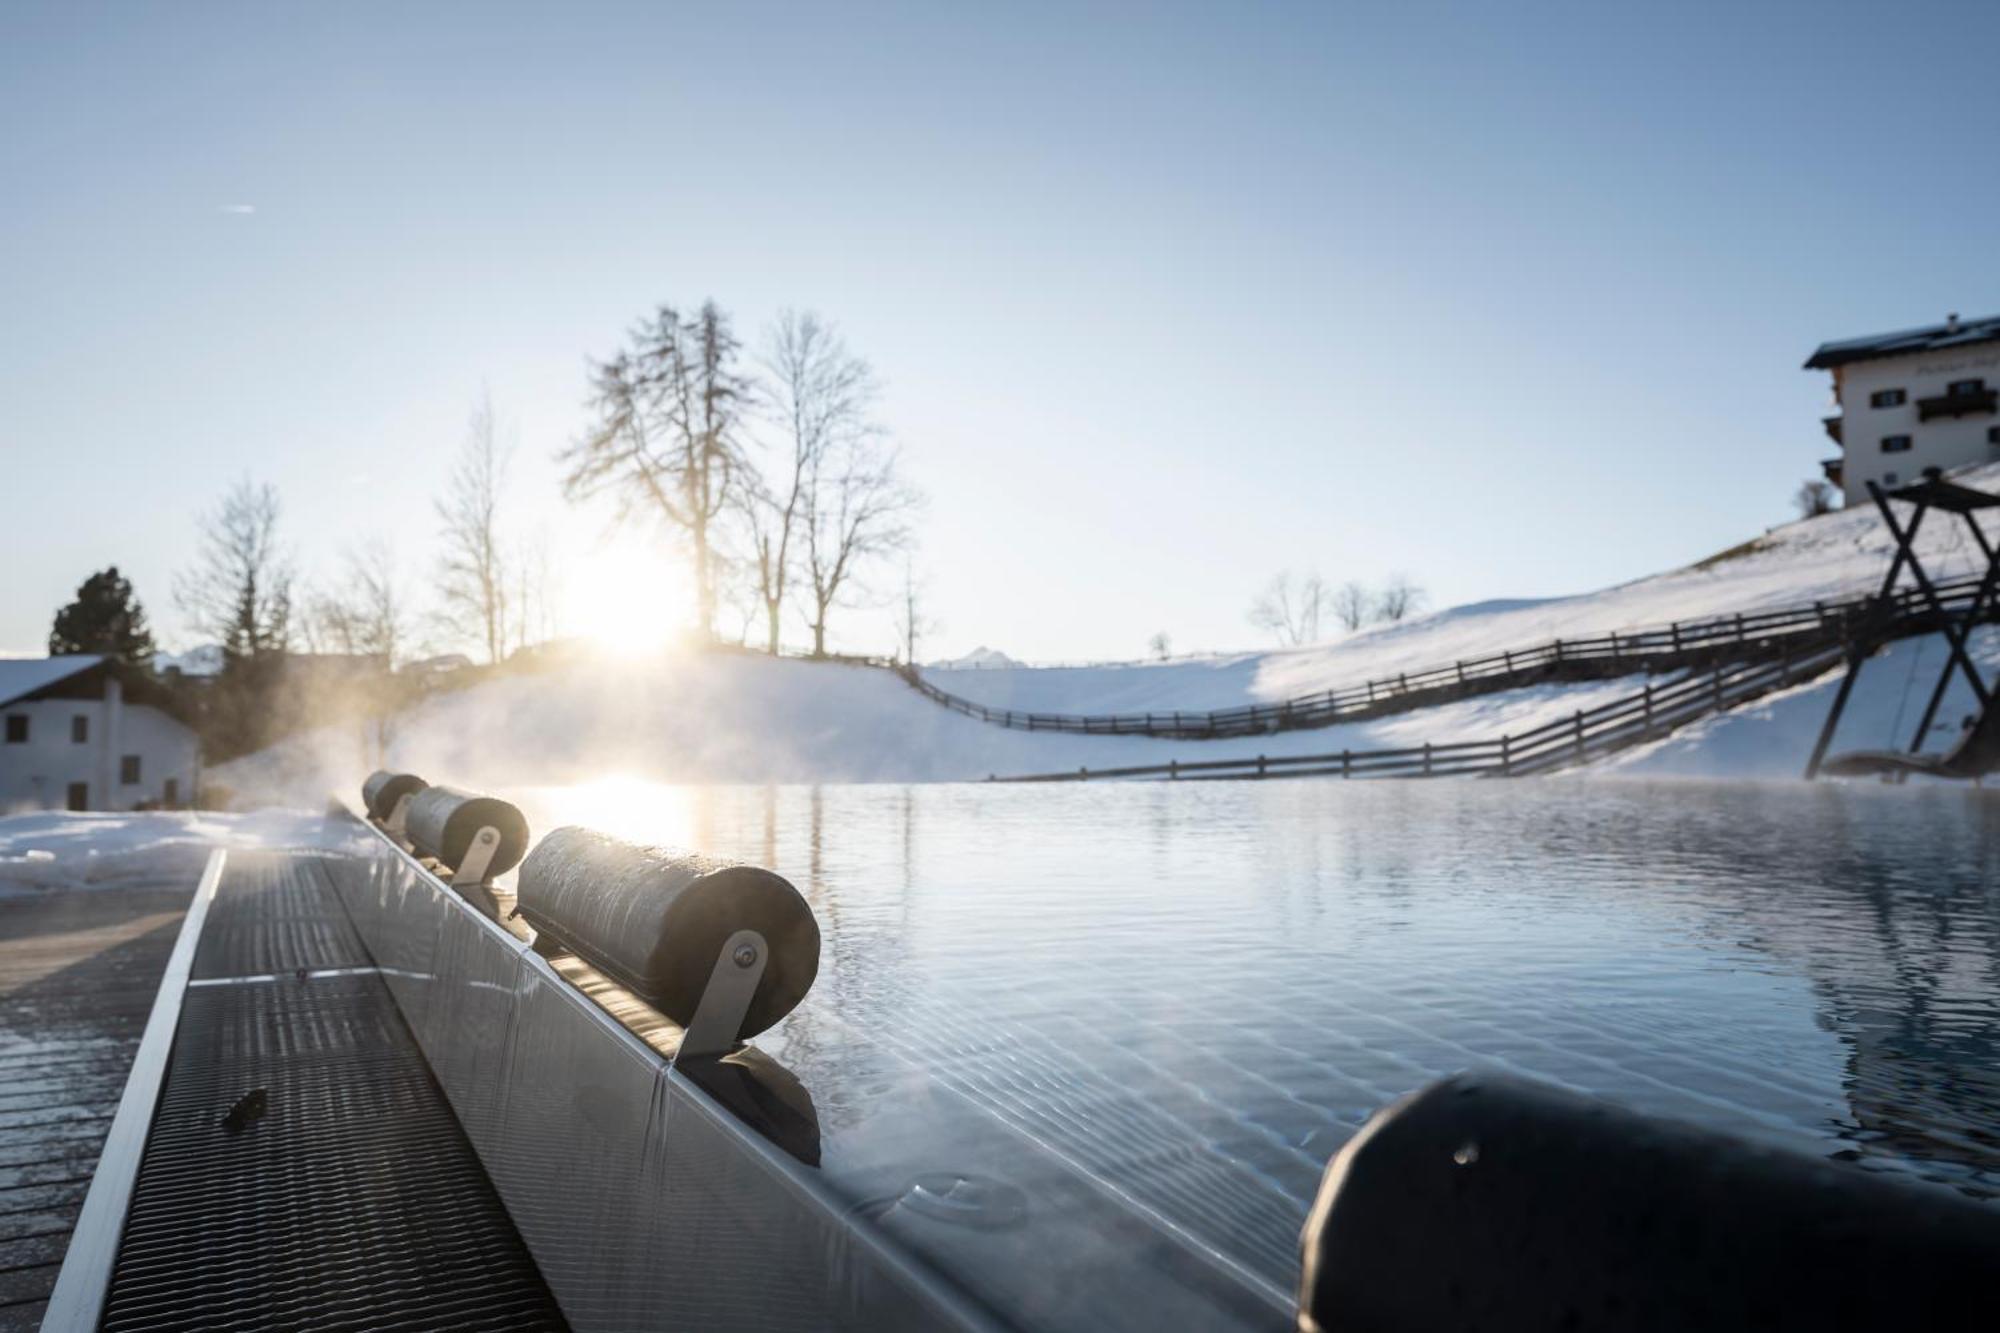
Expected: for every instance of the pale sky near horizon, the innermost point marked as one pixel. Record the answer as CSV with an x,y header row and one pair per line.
x,y
1510,298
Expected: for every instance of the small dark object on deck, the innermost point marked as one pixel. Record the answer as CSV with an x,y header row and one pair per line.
x,y
383,789
654,920
443,821
1500,1204
249,1107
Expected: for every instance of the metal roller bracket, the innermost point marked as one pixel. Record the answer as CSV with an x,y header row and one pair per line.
x,y
479,854
718,1018
399,818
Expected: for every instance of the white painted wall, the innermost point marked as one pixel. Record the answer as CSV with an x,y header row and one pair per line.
x,y
36,775
1944,442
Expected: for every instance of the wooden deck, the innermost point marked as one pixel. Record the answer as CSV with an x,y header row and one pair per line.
x,y
78,971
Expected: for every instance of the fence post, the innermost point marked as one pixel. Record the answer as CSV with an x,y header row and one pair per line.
x,y
1260,765
1083,773
1403,683
1506,758
1371,691
1676,628
1614,645
1347,763
1510,661
1579,735
1559,650
1739,627
1427,758
1173,770
1649,710
1460,664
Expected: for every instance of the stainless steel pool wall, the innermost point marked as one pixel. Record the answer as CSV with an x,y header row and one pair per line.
x,y
645,1203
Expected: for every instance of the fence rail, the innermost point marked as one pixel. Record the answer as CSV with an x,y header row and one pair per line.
x,y
1590,733
1790,632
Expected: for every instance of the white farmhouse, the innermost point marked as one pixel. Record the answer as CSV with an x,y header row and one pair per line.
x,y
1917,399
71,739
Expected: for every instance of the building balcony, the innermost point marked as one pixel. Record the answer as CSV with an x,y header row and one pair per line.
x,y
1958,404
1832,425
1835,470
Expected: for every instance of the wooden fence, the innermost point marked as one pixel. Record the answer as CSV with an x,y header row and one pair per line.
x,y
1792,632
1587,734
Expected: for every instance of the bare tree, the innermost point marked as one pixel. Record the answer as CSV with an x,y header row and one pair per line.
x,y
474,582
818,394
1399,599
1291,609
239,592
854,508
1351,605
363,614
913,624
1813,498
1161,646
664,441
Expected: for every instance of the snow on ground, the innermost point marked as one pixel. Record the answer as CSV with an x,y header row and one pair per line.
x,y
58,850
1773,737
732,718
728,717
1835,556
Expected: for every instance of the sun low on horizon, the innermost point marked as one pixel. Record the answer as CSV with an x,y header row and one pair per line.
x,y
625,594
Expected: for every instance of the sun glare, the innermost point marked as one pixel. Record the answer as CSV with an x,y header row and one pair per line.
x,y
626,596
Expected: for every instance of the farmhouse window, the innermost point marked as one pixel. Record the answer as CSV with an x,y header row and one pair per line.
x,y
17,728
1895,444
1887,398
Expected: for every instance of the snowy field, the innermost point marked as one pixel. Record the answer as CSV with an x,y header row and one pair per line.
x,y
732,718
59,850
1835,556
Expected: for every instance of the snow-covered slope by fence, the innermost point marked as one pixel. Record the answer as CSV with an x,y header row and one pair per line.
x,y
732,717
1835,556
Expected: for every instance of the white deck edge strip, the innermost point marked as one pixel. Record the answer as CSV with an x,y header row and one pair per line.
x,y
77,1303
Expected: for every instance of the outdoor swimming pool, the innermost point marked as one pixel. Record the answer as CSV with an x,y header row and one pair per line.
x,y
1180,999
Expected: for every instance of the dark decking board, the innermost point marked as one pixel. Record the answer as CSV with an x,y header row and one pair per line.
x,y
78,972
354,1200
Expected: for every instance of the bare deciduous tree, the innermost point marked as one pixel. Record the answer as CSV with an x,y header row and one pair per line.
x,y
239,592
913,623
1351,605
1161,646
1813,498
474,582
1399,599
1291,609
818,394
665,442
363,614
854,508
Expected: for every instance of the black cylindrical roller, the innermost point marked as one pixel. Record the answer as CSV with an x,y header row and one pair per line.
x,y
1494,1203
383,789
654,920
443,821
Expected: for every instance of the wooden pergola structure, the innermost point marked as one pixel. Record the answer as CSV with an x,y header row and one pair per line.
x,y
1979,750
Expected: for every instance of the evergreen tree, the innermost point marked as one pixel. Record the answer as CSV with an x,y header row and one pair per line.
x,y
105,618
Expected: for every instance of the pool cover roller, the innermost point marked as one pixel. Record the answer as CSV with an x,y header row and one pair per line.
x,y
383,789
443,821
655,920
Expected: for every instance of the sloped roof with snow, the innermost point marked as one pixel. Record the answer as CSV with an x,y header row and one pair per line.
x,y
21,676
1929,338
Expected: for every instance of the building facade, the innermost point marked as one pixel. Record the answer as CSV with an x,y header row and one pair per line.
x,y
72,739
1912,400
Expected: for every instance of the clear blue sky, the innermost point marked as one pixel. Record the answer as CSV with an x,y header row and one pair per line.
x,y
1512,298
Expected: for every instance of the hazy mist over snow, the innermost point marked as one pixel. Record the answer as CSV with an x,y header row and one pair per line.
x,y
730,717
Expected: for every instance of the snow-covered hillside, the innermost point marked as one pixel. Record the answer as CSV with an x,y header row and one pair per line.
x,y
732,717
1834,556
